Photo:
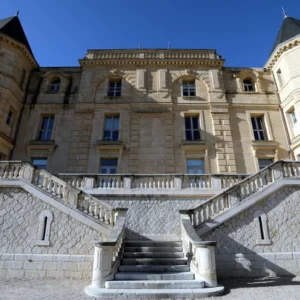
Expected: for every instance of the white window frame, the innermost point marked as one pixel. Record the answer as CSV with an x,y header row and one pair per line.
x,y
114,90
249,86
191,87
203,164
266,119
47,129
112,130
109,167
55,85
260,132
293,117
192,128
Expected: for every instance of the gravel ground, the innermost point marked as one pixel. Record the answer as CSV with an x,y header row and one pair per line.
x,y
236,289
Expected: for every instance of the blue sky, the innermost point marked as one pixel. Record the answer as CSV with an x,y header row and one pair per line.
x,y
60,32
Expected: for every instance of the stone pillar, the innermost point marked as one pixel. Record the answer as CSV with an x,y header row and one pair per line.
x,y
102,265
207,264
223,137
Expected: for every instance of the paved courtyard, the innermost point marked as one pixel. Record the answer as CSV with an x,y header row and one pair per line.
x,y
236,289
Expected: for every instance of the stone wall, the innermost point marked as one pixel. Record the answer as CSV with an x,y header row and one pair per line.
x,y
240,251
70,249
153,215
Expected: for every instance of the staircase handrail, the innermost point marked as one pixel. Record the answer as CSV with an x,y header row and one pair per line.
x,y
71,196
242,190
108,253
200,254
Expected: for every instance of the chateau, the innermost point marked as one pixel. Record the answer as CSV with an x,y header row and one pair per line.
x,y
151,171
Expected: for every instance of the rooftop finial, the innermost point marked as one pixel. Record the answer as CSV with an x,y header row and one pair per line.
x,y
284,14
140,46
169,45
18,12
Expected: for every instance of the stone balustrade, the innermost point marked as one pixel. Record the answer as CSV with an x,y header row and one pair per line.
x,y
244,189
69,194
152,181
201,254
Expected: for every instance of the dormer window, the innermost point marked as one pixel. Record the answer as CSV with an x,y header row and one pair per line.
x,y
114,87
188,88
55,86
248,86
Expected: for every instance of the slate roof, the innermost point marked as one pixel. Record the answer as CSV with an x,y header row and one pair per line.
x,y
12,27
289,29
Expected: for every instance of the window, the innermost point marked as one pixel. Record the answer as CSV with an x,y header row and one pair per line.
x,y
258,128
248,86
114,88
188,88
40,163
55,86
192,132
264,162
9,118
279,77
111,131
45,220
293,116
262,230
46,130
108,165
22,78
195,166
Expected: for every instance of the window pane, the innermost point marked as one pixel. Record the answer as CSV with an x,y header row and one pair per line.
x,y
253,123
115,135
103,170
256,137
187,122
196,135
116,123
108,123
261,135
188,135
194,162
40,163
264,163
107,135
43,135
192,93
48,135
109,162
112,171
195,122
185,93
259,123
50,123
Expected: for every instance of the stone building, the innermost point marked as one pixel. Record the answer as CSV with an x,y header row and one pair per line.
x,y
122,132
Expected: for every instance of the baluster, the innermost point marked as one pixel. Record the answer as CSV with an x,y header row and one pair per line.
x,y
10,173
91,213
16,172
154,184
113,183
45,180
158,184
54,188
162,183
96,210
101,214
49,185
117,184
106,216
111,218
172,183
59,191
217,206
167,184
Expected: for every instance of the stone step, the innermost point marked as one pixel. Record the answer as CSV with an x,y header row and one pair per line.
x,y
153,293
154,276
153,254
153,249
153,243
153,261
154,268
155,284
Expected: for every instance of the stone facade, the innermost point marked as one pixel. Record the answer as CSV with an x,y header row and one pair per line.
x,y
240,250
70,248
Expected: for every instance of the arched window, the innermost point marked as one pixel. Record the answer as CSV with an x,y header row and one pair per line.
x,y
45,220
55,85
248,86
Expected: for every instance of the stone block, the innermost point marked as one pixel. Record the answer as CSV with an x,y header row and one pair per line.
x,y
33,265
50,266
35,274
73,274
14,265
284,255
84,266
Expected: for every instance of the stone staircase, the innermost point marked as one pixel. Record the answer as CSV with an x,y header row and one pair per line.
x,y
151,270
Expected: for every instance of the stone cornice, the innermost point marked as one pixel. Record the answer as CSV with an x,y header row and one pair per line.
x,y
152,57
5,39
280,50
